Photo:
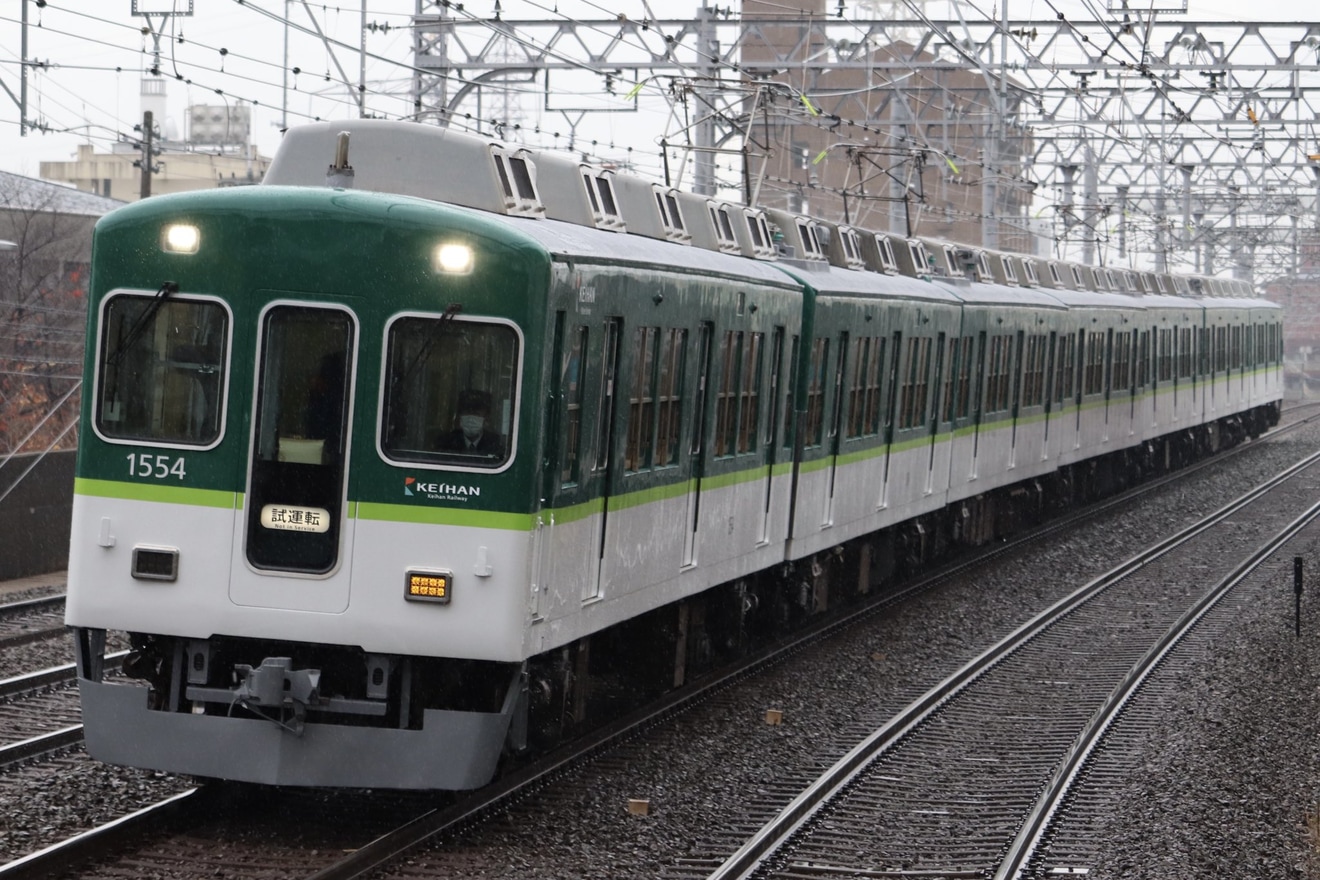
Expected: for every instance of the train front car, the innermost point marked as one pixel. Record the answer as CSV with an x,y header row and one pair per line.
x,y
304,487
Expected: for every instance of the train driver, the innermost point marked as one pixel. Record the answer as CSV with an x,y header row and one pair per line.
x,y
473,435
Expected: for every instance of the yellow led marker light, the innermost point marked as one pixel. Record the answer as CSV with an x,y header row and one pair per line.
x,y
428,586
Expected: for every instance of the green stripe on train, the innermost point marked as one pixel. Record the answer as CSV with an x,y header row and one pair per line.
x,y
157,492
445,516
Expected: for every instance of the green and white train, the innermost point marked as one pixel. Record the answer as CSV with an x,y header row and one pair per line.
x,y
431,449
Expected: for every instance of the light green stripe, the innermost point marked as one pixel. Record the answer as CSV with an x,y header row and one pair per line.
x,y
576,512
648,496
445,516
155,492
816,464
723,481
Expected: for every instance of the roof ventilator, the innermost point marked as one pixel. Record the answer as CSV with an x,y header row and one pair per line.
x,y
340,174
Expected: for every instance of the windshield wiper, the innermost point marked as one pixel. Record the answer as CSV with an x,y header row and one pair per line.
x,y
140,325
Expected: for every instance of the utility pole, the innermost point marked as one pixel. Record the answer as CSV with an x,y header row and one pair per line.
x,y
23,78
145,162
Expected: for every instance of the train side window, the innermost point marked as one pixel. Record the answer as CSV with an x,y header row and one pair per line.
x,y
916,380
669,396
571,383
605,409
726,397
999,374
1143,359
875,372
958,401
641,400
1122,362
749,395
789,386
1164,360
776,369
857,388
449,391
162,371
820,352
704,335
1033,376
1064,365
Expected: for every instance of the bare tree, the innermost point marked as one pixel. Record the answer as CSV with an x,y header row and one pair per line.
x,y
43,297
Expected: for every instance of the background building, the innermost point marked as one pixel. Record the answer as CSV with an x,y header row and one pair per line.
x,y
216,150
925,150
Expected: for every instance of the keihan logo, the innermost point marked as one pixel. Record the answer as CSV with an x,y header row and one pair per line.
x,y
439,491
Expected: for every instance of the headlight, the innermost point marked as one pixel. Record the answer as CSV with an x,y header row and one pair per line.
x,y
180,238
454,259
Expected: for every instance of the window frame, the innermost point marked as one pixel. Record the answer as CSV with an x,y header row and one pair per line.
x,y
226,381
382,390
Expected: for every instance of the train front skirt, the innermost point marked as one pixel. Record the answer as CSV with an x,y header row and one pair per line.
x,y
453,750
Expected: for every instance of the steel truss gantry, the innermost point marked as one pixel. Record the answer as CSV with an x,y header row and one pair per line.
x,y
1143,136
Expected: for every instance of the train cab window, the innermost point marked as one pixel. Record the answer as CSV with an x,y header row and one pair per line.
x,y
162,371
450,392
295,498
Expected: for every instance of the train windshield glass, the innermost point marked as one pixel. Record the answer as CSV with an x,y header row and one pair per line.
x,y
162,369
449,392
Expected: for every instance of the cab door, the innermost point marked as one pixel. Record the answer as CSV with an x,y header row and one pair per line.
x,y
294,508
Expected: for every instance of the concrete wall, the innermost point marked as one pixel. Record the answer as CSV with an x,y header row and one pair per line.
x,y
35,515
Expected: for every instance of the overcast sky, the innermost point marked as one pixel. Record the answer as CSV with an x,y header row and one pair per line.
x,y
95,54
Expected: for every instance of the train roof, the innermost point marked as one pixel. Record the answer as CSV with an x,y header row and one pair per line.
x,y
573,241
480,172
981,293
826,279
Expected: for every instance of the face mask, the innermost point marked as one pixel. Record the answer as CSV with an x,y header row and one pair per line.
x,y
471,426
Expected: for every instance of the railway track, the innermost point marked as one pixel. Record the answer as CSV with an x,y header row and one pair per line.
x,y
31,620
966,782
402,833
39,713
